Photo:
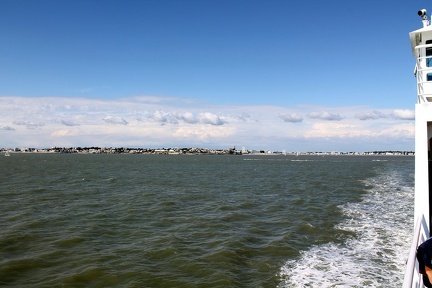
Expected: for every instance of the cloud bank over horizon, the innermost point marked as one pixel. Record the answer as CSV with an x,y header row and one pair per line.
x,y
175,122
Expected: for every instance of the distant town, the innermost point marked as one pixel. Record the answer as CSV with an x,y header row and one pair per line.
x,y
188,151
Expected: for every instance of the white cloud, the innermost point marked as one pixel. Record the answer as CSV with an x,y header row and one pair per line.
x,y
293,118
68,123
158,122
65,132
370,115
6,127
351,130
204,133
29,124
209,118
115,120
188,117
404,114
163,117
325,116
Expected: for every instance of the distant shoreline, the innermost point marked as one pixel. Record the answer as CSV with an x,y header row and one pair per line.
x,y
192,151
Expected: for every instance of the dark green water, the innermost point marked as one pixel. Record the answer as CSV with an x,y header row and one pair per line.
x,y
203,221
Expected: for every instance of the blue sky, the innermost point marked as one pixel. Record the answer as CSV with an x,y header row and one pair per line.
x,y
279,75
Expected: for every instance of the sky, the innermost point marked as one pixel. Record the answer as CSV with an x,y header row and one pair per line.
x,y
275,75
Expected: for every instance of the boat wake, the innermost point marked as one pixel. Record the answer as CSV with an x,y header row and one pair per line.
x,y
376,256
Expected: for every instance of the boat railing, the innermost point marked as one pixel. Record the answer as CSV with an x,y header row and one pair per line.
x,y
423,72
412,278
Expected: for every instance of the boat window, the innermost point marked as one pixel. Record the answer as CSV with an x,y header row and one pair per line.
x,y
429,77
429,53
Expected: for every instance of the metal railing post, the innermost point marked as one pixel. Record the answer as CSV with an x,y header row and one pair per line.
x,y
412,278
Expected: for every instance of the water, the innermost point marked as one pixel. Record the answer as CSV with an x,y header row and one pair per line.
x,y
204,221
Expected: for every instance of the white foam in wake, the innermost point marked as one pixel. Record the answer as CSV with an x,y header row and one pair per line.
x,y
376,257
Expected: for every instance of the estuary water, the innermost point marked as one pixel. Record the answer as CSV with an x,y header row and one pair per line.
x,y
74,220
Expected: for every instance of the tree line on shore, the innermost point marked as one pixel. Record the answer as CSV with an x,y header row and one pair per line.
x,y
190,150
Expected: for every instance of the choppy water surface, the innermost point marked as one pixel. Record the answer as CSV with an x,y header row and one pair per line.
x,y
204,221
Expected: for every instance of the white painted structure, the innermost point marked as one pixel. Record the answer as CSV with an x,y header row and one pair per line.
x,y
421,43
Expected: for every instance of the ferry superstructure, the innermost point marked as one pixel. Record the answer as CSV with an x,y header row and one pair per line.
x,y
421,43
